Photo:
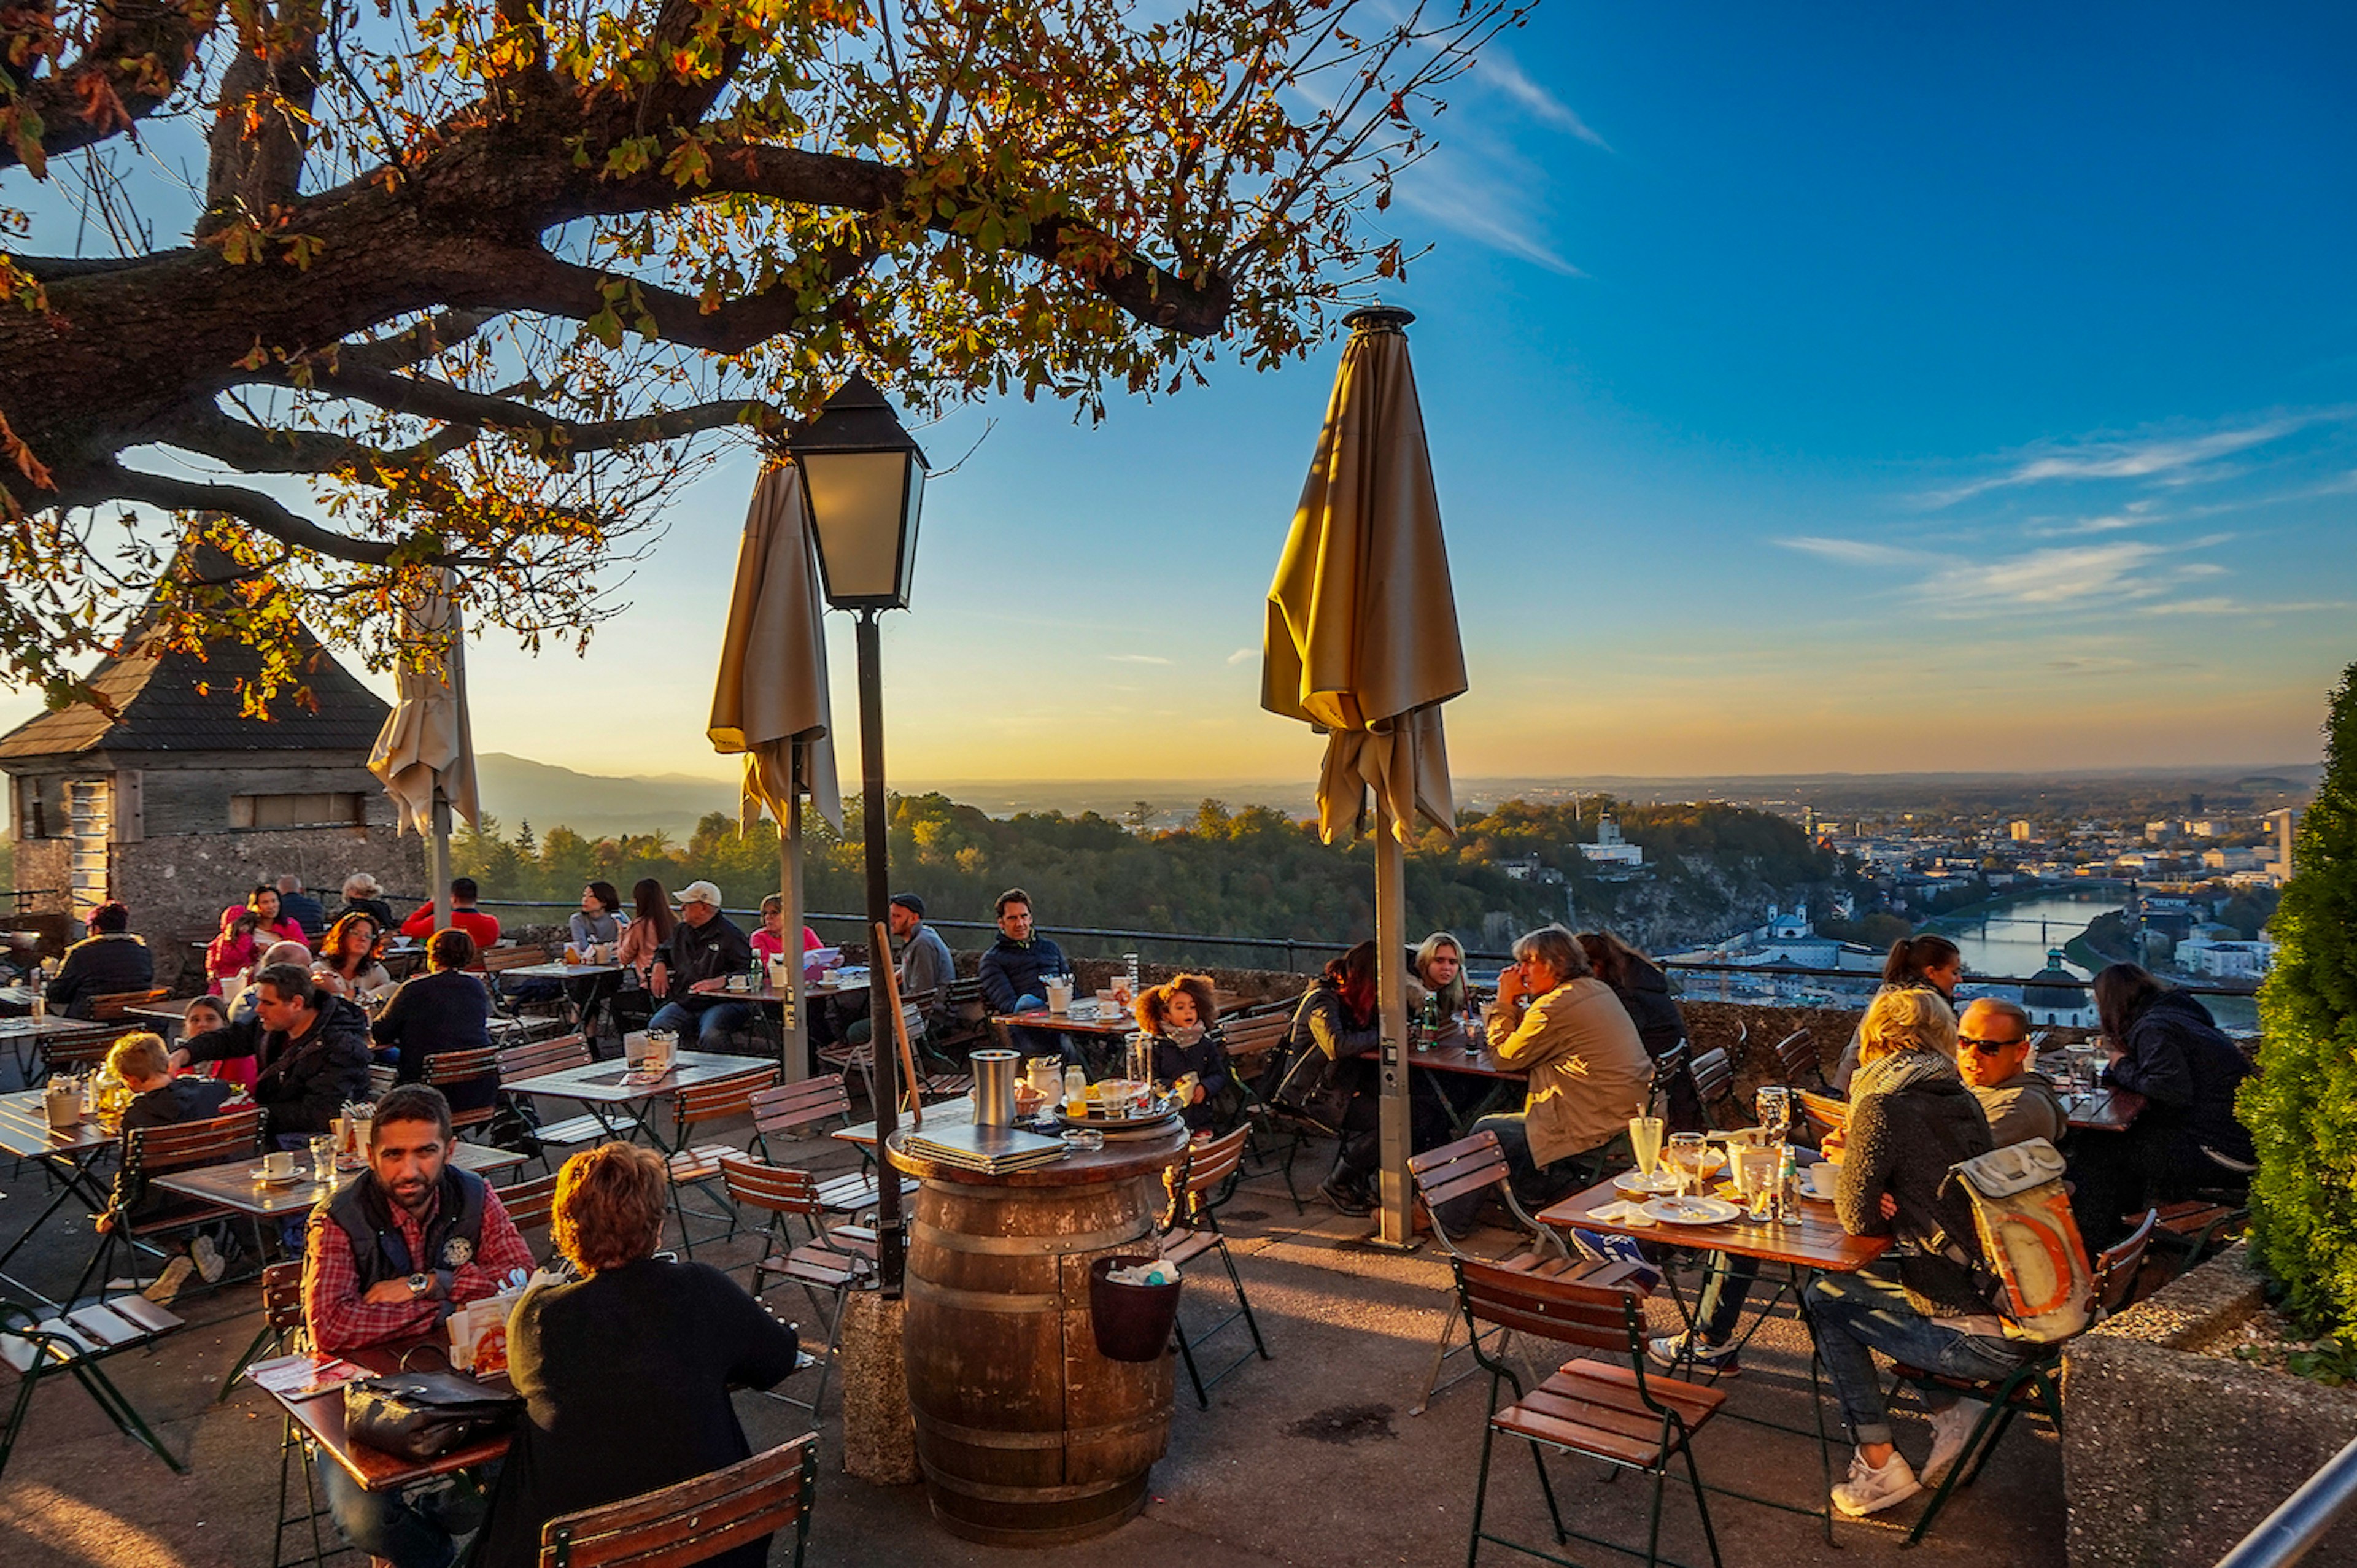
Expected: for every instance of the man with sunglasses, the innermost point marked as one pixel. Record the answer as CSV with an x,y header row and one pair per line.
x,y
1993,1054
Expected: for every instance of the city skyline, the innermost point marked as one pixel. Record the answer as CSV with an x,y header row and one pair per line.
x,y
1841,392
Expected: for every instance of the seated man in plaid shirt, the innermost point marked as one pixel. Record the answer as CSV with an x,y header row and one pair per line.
x,y
390,1254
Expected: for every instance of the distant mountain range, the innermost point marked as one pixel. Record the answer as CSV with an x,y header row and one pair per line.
x,y
517,790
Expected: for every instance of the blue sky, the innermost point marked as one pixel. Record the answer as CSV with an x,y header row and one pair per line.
x,y
1809,387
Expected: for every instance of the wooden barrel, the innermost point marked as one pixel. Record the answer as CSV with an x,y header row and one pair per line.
x,y
1027,1436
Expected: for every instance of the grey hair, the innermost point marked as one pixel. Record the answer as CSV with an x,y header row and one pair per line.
x,y
1554,946
2003,1009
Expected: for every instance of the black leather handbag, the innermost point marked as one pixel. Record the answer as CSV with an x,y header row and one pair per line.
x,y
423,1415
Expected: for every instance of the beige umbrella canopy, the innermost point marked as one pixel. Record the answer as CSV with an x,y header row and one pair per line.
x,y
425,753
1362,642
1361,639
770,700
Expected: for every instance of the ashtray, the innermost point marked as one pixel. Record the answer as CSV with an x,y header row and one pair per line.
x,y
1087,1140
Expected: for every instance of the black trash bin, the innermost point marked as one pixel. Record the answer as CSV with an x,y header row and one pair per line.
x,y
1132,1323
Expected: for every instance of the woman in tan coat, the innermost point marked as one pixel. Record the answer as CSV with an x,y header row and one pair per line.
x,y
1589,1072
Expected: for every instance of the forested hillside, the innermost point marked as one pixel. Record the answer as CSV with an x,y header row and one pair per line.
x,y
1255,872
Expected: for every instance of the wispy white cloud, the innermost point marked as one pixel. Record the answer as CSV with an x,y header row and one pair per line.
x,y
1481,200
1136,659
1241,654
1499,70
2221,606
2162,459
2074,577
1853,552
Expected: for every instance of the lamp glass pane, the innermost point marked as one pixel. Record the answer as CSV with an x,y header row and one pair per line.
x,y
908,526
856,502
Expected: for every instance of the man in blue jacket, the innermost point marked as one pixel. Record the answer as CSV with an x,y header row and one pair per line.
x,y
1014,971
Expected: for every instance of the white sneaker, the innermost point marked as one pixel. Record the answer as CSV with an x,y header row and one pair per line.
x,y
168,1283
208,1257
1870,1490
1950,1430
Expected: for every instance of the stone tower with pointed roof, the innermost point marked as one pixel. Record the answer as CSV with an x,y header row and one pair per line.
x,y
177,804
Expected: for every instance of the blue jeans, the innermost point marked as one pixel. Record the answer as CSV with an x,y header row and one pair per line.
x,y
712,1026
1853,1315
419,1534
1721,1308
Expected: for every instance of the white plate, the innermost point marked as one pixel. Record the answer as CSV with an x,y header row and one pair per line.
x,y
1692,1210
1659,1181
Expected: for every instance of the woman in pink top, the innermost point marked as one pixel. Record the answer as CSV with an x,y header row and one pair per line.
x,y
276,927
650,930
769,941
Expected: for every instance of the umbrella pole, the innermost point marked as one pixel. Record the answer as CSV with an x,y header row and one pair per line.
x,y
437,858
795,1035
1391,962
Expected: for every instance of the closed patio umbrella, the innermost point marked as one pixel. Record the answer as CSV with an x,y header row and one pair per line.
x,y
770,701
1362,643
425,753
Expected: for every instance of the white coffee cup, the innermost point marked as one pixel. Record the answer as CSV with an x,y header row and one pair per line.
x,y
278,1166
1822,1179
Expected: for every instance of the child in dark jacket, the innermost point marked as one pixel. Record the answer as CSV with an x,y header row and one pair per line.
x,y
143,1063
1181,1019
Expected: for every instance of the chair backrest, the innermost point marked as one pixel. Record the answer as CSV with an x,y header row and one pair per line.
x,y
789,1108
77,1052
1714,1080
186,1145
781,1189
1594,1317
530,1203
1797,1055
1741,1047
720,1099
1668,1067
542,1056
1254,1036
111,1007
282,1297
1205,1166
381,1082
500,959
461,1066
1452,1171
693,1520
1821,1113
2117,1267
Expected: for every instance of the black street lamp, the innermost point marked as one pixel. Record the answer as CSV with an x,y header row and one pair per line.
x,y
864,482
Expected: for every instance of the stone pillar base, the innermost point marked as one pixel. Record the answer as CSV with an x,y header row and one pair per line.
x,y
879,1431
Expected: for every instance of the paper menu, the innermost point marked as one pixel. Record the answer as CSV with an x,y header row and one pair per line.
x,y
300,1377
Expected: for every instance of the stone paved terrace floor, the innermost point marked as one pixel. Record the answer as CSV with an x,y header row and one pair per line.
x,y
1310,1458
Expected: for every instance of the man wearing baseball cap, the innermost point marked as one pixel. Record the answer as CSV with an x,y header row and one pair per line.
x,y
705,945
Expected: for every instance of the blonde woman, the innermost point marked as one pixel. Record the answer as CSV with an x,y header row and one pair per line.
x,y
1911,1119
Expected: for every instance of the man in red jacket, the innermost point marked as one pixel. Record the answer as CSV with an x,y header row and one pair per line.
x,y
464,916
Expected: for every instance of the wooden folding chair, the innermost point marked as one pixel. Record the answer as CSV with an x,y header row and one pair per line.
x,y
694,1520
1668,1068
77,1054
1477,1163
1797,1063
281,1313
520,1063
790,1110
1626,1418
965,1018
529,1204
446,1069
1816,1117
1190,1228
826,1265
2035,1386
36,1347
151,1152
698,1165
1714,1081
116,1005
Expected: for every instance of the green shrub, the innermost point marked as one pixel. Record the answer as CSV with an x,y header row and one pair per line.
x,y
2301,1107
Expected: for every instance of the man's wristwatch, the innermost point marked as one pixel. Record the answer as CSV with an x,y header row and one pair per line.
x,y
419,1284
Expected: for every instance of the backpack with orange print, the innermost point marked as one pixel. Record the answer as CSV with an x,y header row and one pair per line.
x,y
2043,1283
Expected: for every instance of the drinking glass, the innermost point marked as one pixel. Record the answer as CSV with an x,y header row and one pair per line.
x,y
1685,1160
1645,1142
323,1158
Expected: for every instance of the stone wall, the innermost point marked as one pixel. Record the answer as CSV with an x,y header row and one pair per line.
x,y
176,887
2173,1449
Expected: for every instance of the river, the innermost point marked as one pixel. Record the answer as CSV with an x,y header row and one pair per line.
x,y
2013,939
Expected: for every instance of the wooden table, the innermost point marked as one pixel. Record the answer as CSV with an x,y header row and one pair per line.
x,y
1027,1435
582,1005
25,1132
16,999
598,1088
320,1417
20,1033
2104,1111
957,1112
1492,1085
1116,1024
